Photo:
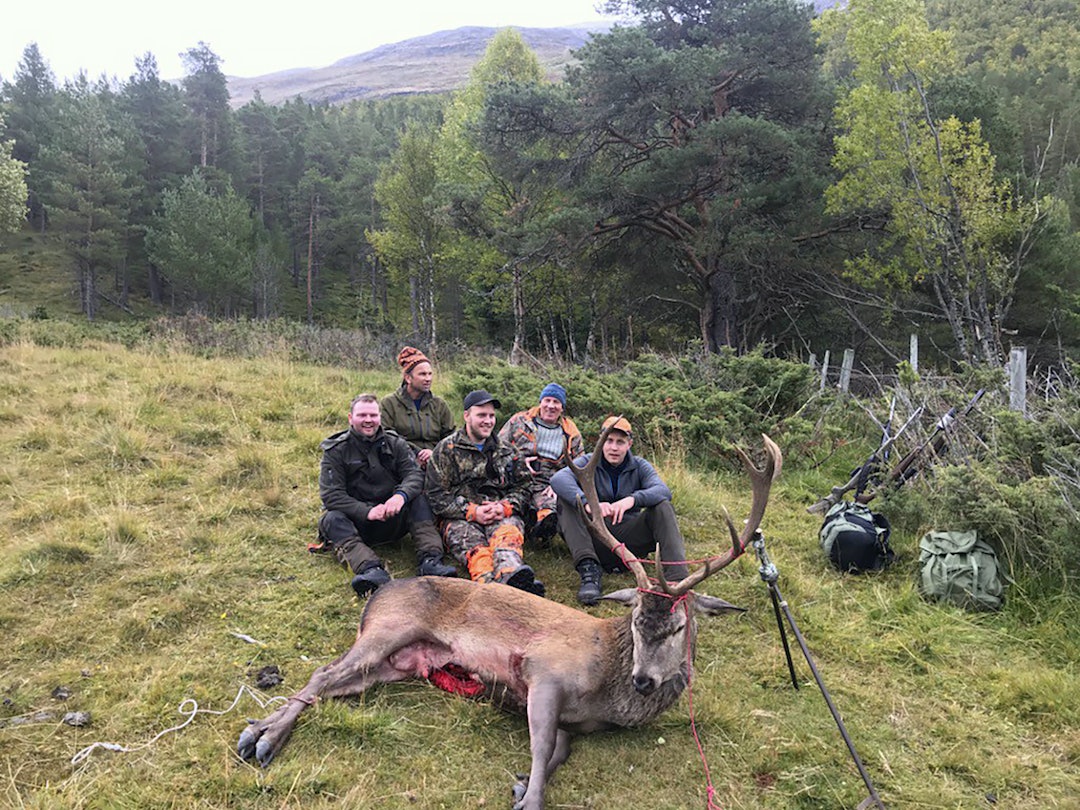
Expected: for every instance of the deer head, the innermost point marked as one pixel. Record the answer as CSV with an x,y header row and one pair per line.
x,y
661,630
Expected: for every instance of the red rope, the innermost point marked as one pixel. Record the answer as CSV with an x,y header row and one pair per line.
x,y
710,791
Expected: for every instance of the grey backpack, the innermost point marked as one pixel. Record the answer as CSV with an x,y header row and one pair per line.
x,y
959,568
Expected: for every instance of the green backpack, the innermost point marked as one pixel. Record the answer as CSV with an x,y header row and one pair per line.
x,y
959,568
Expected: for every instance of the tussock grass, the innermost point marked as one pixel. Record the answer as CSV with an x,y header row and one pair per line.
x,y
155,506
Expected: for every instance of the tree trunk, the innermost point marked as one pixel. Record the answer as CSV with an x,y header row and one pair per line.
x,y
414,303
154,282
718,316
311,260
518,295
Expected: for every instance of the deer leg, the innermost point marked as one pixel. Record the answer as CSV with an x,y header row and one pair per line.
x,y
366,663
558,757
548,744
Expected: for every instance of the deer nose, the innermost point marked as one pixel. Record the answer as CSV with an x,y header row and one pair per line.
x,y
644,684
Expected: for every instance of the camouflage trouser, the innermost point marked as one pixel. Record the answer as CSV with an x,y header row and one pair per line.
x,y
543,502
489,552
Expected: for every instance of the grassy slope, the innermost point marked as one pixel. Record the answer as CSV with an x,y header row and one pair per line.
x,y
155,503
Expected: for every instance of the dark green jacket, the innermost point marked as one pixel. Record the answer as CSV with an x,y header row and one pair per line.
x,y
423,428
357,473
459,474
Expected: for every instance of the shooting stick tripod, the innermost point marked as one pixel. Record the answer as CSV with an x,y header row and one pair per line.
x,y
769,575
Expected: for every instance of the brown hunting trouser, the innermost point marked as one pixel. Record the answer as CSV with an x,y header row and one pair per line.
x,y
352,543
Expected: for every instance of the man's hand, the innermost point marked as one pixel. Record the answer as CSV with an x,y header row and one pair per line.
x,y
384,511
394,504
489,512
615,511
422,458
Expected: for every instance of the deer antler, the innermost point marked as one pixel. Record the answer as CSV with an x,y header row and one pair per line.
x,y
586,478
761,481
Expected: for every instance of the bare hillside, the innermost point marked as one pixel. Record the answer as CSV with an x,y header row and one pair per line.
x,y
430,64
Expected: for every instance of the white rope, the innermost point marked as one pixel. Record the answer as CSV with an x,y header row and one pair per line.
x,y
189,707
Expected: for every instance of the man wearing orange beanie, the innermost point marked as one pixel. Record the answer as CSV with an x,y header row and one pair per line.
x,y
413,412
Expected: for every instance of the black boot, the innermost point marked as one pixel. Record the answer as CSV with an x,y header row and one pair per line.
x,y
523,578
589,592
433,566
371,576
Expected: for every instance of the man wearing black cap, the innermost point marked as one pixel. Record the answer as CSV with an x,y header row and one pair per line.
x,y
545,440
635,504
478,498
372,491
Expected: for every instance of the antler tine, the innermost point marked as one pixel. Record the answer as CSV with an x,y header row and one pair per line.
x,y
586,477
660,578
761,481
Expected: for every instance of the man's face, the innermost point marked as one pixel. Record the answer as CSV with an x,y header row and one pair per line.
x,y
550,409
480,421
365,419
418,381
616,446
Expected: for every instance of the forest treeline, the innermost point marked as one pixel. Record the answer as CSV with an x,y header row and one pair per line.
x,y
736,173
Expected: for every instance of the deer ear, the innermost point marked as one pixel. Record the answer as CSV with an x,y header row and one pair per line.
x,y
626,596
714,605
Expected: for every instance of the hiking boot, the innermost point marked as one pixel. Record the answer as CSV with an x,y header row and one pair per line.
x,y
433,566
589,592
545,529
523,578
370,577
537,587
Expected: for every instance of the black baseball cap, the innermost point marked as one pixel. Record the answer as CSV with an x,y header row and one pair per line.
x,y
480,397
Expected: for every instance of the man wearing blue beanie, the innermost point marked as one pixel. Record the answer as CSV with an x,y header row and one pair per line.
x,y
544,440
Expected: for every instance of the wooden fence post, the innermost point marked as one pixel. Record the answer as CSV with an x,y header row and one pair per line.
x,y
1018,379
913,352
824,371
845,370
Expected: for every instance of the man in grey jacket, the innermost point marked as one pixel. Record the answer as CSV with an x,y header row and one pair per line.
x,y
635,504
372,490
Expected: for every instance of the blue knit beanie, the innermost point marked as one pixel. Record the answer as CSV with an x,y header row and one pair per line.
x,y
554,390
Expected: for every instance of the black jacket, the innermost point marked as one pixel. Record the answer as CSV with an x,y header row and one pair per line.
x,y
358,473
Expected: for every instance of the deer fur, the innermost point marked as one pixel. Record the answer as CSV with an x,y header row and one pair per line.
x,y
567,671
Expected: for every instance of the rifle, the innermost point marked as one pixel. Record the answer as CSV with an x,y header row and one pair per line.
x,y
906,468
868,471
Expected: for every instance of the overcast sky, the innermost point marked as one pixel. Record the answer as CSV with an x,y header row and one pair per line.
x,y
252,38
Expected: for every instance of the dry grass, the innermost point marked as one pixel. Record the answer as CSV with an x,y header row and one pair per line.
x,y
156,504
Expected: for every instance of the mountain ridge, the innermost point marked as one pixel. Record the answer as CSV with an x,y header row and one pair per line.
x,y
433,63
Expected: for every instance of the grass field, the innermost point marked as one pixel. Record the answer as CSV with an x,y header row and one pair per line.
x,y
155,508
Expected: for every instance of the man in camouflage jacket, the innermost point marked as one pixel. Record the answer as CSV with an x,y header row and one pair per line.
x,y
478,498
372,490
544,440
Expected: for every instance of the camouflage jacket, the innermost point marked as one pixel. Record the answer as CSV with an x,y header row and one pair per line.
x,y
459,475
520,433
422,428
358,473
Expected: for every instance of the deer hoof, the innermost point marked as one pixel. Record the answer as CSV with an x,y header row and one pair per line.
x,y
245,746
519,789
264,752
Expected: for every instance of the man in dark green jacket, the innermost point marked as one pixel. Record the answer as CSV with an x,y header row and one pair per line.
x,y
372,490
412,411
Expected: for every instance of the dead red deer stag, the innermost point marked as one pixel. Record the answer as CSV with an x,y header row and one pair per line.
x,y
569,672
